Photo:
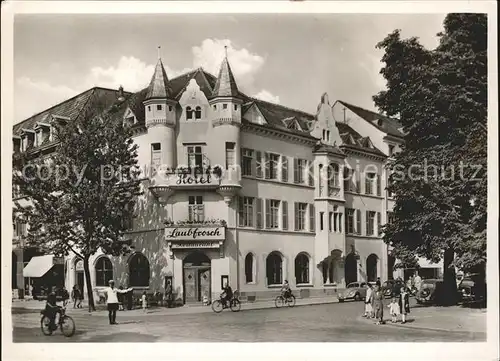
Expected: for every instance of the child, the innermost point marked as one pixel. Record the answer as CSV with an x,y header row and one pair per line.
x,y
404,304
394,310
205,300
144,301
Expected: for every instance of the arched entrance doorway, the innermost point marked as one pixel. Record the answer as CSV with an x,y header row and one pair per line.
x,y
350,269
371,268
197,277
14,271
79,275
391,261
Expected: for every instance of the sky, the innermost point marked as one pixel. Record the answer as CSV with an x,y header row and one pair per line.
x,y
291,59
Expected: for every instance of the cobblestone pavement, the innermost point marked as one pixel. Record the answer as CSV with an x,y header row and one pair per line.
x,y
321,323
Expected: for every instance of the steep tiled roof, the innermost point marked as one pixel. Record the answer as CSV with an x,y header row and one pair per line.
x,y
385,124
205,81
72,107
225,85
354,140
159,85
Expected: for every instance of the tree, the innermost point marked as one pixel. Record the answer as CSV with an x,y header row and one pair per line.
x,y
81,194
439,177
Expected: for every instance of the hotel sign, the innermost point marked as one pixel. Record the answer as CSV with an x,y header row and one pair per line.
x,y
177,234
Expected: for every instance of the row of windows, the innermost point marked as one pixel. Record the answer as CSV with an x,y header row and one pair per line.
x,y
274,269
160,107
274,213
353,221
138,270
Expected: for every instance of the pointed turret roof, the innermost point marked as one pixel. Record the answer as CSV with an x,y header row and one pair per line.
x,y
225,85
158,87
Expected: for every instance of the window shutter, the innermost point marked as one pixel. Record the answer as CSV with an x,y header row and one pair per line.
x,y
240,212
379,223
311,173
267,166
358,183
295,216
284,168
258,164
268,213
284,211
379,186
312,220
367,223
358,221
340,222
346,225
296,170
258,212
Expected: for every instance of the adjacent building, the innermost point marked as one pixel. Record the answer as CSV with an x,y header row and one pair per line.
x,y
236,190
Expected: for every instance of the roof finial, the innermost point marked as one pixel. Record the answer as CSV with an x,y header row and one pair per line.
x,y
159,54
225,49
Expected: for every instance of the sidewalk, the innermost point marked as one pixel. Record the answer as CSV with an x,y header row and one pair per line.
x,y
449,319
186,309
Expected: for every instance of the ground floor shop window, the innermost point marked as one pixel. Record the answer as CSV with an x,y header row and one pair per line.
x,y
139,271
103,271
274,269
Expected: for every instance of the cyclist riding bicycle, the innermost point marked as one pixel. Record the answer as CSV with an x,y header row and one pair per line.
x,y
52,309
285,290
226,295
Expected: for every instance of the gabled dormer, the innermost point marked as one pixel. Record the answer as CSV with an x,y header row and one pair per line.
x,y
27,139
16,143
254,115
194,103
129,118
292,123
42,133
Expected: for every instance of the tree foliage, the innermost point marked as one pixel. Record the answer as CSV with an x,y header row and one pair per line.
x,y
81,193
439,178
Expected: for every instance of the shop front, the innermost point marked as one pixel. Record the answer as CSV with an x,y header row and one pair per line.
x,y
46,273
198,258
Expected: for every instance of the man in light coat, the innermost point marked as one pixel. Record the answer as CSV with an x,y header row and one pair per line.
x,y
368,301
111,293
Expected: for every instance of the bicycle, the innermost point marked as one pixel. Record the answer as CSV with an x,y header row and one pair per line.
x,y
281,300
65,323
234,304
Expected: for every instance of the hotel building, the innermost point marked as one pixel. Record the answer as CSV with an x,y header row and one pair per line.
x,y
283,195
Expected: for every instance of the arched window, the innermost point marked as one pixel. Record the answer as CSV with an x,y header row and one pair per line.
x,y
139,271
371,267
197,113
302,268
249,267
189,113
274,269
103,271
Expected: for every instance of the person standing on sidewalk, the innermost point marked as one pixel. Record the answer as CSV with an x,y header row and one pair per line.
x,y
168,293
378,299
112,300
404,304
368,301
144,300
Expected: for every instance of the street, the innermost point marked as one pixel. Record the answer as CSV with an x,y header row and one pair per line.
x,y
337,322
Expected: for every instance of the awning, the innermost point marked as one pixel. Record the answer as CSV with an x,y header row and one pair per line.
x,y
38,266
425,263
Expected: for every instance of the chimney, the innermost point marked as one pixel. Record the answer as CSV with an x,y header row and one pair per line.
x,y
121,97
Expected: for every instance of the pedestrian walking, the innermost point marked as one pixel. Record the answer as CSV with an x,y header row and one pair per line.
x,y
394,310
144,300
112,300
75,296
368,301
417,281
65,296
404,304
80,298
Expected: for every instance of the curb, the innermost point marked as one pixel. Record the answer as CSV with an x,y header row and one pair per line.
x,y
399,325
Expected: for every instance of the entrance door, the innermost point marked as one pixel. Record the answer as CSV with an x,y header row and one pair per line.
x,y
350,269
204,283
190,284
80,281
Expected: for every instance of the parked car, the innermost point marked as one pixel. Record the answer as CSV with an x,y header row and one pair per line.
x,y
472,289
354,291
431,291
392,288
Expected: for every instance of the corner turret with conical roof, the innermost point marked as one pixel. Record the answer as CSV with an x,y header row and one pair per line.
x,y
160,113
226,104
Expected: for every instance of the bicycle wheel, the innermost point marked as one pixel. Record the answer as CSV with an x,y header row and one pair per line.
x,y
217,306
279,301
235,305
67,326
45,324
290,301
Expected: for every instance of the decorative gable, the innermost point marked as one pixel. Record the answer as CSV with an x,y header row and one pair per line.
x,y
292,123
325,127
254,115
194,103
